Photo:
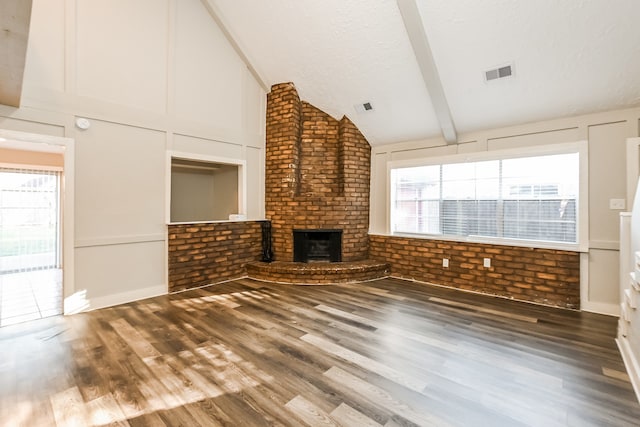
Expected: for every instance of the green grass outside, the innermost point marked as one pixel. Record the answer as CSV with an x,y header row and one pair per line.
x,y
14,241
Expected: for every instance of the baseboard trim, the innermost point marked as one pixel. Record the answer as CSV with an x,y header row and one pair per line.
x,y
601,308
125,297
209,284
469,291
631,363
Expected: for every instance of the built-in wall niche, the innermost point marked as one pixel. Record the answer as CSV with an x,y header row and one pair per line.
x,y
204,190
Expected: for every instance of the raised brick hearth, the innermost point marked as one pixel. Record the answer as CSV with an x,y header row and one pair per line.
x,y
316,273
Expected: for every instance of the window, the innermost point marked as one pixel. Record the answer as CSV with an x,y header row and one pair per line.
x,y
531,198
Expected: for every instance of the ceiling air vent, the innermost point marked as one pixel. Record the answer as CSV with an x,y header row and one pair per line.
x,y
365,107
498,73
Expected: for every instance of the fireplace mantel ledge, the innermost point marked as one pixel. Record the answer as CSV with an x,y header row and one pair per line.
x,y
223,221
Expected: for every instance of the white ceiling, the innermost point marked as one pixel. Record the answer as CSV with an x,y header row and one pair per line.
x,y
569,57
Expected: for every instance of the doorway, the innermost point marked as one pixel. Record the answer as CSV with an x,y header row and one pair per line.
x,y
30,261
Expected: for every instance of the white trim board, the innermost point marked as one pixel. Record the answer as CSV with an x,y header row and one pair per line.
x,y
120,240
631,363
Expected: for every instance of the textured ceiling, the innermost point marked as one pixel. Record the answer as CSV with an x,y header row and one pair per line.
x,y
569,57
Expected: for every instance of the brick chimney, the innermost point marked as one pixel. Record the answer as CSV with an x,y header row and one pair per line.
x,y
317,174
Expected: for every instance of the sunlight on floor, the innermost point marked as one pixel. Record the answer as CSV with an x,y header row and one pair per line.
x,y
169,382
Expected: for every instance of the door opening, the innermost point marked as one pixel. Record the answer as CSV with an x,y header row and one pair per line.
x,y
30,244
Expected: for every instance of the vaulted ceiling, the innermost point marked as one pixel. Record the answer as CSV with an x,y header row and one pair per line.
x,y
569,57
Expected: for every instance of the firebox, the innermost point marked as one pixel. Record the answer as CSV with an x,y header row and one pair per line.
x,y
317,245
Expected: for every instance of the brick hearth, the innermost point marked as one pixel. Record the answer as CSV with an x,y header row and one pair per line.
x,y
318,273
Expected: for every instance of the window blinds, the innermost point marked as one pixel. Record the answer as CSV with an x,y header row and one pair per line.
x,y
530,198
29,220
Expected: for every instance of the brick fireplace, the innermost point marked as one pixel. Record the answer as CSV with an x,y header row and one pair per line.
x,y
317,183
316,188
317,175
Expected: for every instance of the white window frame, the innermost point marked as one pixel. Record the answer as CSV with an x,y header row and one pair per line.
x,y
582,226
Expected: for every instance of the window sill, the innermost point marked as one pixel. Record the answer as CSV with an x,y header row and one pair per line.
x,y
572,247
214,221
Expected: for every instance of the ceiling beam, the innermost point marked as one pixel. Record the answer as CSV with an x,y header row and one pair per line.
x,y
15,17
418,38
217,16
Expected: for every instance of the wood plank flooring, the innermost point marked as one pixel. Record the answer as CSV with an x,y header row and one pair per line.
x,y
382,353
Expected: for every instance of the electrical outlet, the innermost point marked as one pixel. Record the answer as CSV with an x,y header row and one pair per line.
x,y
445,262
487,262
617,204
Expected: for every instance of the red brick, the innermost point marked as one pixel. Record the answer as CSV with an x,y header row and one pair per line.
x,y
233,245
317,174
542,276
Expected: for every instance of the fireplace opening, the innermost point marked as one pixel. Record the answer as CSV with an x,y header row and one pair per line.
x,y
317,245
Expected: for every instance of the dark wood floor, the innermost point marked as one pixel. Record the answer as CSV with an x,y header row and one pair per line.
x,y
389,352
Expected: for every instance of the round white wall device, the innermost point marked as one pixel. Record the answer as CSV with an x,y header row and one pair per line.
x,y
83,123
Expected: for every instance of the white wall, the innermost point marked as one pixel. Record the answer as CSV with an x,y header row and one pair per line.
x,y
606,134
152,76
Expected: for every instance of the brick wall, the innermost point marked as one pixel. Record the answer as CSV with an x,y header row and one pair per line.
x,y
317,174
320,161
543,276
202,254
